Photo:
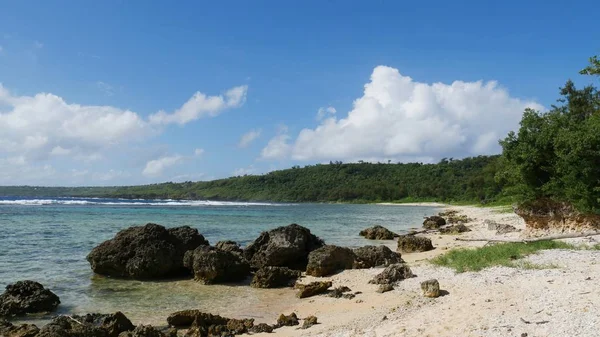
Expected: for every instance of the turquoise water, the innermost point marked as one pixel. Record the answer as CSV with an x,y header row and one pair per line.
x,y
47,241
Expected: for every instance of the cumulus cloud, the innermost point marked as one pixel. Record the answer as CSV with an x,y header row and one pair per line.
x,y
324,112
156,167
401,119
249,137
200,105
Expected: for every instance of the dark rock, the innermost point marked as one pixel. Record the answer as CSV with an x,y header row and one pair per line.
x,y
261,327
378,233
384,288
392,274
274,277
309,321
239,326
455,218
412,243
455,229
434,222
23,330
286,246
290,320
90,325
328,260
230,246
375,256
145,252
187,318
312,289
148,331
26,297
212,265
431,288
339,292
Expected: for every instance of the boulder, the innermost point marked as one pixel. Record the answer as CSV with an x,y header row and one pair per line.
x,y
393,273
308,322
286,246
384,288
339,292
378,233
329,259
187,318
149,331
455,229
312,289
90,325
145,252
289,320
230,246
239,326
23,330
275,277
261,327
211,265
25,297
434,222
431,288
375,256
412,243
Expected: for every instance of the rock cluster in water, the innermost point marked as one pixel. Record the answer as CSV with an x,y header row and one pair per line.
x,y
26,297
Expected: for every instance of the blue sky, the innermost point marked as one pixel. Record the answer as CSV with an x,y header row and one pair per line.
x,y
83,83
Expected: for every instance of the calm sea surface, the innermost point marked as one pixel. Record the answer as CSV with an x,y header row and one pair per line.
x,y
47,240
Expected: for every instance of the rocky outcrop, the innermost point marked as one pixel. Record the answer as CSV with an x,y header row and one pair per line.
x,y
549,215
431,288
328,260
274,277
378,233
412,243
393,273
145,252
384,288
434,222
341,292
230,246
289,320
90,325
308,322
261,327
205,324
375,256
187,318
286,246
312,289
455,229
23,330
149,331
25,297
212,265
499,228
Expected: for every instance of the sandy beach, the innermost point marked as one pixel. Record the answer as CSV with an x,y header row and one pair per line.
x,y
498,301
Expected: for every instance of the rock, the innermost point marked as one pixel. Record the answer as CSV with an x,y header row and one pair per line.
x,y
309,321
286,246
412,243
328,260
434,222
499,228
212,265
393,273
239,326
145,252
375,256
90,325
491,224
274,277
261,327
230,246
23,330
25,297
384,288
339,292
431,288
312,289
148,331
378,233
290,320
455,229
187,318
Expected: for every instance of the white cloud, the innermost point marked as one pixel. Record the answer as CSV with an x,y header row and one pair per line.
x,y
59,151
324,112
106,88
400,119
200,106
156,167
249,137
244,171
198,152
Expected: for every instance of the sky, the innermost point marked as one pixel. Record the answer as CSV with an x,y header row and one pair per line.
x,y
135,92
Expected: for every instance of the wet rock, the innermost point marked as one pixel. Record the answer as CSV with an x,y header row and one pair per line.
x,y
230,246
312,289
431,288
455,229
274,277
90,325
289,320
393,273
26,297
187,318
328,260
378,233
211,265
375,256
412,243
286,246
261,327
23,330
339,292
434,222
145,252
308,322
384,288
148,331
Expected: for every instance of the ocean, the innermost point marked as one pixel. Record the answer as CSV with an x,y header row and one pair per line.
x,y
47,240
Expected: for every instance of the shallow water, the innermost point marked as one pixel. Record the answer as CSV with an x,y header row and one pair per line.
x,y
47,240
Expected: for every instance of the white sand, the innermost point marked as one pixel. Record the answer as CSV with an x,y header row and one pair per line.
x,y
495,302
